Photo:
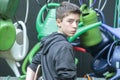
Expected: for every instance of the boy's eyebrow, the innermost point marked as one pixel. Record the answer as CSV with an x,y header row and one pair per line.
x,y
73,19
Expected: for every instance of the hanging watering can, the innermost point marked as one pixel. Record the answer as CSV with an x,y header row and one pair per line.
x,y
49,24
21,44
93,36
19,49
7,34
104,65
8,8
99,65
113,59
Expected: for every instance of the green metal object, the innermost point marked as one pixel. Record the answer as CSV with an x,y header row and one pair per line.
x,y
7,34
8,8
49,24
93,36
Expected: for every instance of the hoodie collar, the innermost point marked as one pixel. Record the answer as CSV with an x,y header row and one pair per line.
x,y
48,41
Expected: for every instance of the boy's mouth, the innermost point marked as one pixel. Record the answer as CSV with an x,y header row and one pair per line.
x,y
73,32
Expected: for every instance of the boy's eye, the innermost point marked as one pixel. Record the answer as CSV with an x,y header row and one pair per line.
x,y
77,22
70,21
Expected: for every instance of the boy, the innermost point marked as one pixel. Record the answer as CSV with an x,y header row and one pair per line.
x,y
57,58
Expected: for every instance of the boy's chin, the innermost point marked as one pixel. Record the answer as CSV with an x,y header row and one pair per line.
x,y
70,35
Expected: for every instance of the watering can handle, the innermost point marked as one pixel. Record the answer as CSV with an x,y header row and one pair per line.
x,y
25,38
115,43
39,19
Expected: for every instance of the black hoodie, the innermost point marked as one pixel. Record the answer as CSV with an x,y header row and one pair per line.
x,y
56,58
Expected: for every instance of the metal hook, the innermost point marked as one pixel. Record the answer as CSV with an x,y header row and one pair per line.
x,y
102,5
38,3
90,4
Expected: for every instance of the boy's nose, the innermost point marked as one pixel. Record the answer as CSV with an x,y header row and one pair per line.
x,y
75,24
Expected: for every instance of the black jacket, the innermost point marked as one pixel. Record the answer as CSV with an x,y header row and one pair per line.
x,y
56,57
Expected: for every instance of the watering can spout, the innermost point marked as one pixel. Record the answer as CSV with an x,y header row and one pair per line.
x,y
82,30
114,31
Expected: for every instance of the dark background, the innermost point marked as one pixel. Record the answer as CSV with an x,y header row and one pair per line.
x,y
84,58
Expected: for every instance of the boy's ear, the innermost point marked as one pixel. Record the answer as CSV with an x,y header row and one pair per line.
x,y
58,22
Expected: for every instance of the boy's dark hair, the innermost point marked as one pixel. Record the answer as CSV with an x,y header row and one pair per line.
x,y
65,9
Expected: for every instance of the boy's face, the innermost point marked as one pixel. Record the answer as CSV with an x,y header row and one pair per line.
x,y
69,24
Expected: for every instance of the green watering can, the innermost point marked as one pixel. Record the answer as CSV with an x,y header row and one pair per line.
x,y
49,24
93,36
7,34
8,8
